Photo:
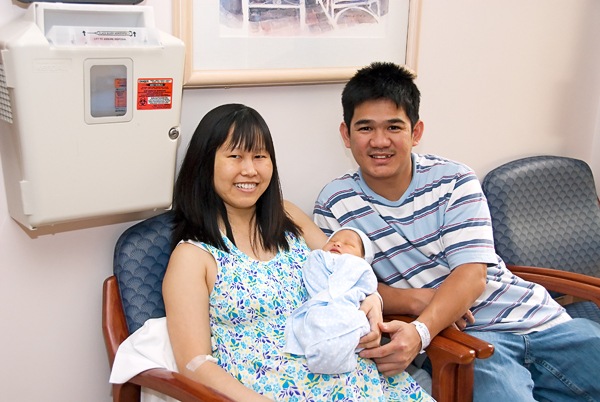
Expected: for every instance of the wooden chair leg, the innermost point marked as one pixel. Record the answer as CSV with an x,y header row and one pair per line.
x,y
455,382
464,388
444,389
127,392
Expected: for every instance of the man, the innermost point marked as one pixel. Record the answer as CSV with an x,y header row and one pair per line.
x,y
434,254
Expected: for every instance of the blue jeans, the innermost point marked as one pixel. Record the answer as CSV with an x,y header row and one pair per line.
x,y
559,364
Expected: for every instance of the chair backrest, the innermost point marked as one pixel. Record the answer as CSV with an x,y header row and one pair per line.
x,y
140,261
545,213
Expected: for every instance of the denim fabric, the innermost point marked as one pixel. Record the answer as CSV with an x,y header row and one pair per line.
x,y
558,364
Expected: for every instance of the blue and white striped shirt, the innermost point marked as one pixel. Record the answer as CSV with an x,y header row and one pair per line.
x,y
442,221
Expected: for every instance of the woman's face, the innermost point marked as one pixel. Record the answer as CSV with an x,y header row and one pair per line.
x,y
241,177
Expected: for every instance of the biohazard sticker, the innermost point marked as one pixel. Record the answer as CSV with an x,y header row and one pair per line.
x,y
154,93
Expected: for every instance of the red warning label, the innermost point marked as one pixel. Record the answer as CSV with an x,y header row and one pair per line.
x,y
120,93
154,93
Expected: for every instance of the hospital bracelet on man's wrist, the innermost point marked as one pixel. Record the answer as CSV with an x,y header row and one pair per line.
x,y
423,333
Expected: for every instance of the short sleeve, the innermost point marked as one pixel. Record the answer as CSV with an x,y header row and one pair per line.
x,y
467,234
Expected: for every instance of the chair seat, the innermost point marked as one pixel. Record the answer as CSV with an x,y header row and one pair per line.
x,y
585,309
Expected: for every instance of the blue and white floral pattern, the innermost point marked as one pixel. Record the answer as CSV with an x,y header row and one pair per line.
x,y
249,305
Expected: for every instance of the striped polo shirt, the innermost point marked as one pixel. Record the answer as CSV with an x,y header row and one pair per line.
x,y
442,221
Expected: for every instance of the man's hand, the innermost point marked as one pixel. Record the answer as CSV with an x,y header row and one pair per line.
x,y
372,309
404,346
461,323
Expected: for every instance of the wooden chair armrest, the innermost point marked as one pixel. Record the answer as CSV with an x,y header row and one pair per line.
x,y
114,328
112,313
557,273
482,349
570,283
178,386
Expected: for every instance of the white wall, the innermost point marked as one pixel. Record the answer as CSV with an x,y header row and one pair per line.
x,y
499,79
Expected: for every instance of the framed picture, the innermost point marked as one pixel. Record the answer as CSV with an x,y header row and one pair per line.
x,y
292,42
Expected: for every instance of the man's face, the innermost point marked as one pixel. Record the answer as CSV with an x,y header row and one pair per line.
x,y
381,141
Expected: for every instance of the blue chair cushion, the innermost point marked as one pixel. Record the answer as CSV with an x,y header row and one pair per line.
x,y
586,309
140,261
545,214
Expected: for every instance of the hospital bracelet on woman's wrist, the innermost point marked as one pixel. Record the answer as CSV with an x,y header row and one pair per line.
x,y
424,334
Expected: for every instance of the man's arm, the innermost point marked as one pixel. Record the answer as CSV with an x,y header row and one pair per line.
x,y
454,296
449,303
404,301
413,302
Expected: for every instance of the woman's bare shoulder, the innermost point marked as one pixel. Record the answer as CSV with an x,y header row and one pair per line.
x,y
188,262
291,209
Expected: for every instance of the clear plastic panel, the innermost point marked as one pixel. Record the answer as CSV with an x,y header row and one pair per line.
x,y
108,90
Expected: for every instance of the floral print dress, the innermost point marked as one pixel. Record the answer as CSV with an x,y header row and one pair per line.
x,y
249,305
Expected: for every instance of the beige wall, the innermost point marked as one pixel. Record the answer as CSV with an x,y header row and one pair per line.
x,y
500,80
507,79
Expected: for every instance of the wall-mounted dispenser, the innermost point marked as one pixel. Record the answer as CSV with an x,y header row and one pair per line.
x,y
90,101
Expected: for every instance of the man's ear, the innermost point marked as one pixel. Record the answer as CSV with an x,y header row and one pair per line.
x,y
418,133
345,134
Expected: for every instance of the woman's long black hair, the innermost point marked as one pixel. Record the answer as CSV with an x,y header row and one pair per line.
x,y
197,206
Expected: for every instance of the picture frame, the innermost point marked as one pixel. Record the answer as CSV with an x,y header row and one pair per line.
x,y
216,60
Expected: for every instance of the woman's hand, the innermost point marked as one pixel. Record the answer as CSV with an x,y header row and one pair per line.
x,y
371,306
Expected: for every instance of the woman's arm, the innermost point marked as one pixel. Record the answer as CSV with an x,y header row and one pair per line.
x,y
187,284
313,235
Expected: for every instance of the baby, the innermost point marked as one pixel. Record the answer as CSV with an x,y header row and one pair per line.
x,y
348,241
327,328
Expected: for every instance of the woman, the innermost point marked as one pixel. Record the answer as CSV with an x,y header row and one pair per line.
x,y
234,275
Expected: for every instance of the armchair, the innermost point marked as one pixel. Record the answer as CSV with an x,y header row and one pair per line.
x,y
545,213
134,295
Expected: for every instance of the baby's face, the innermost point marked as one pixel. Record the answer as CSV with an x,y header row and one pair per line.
x,y
345,242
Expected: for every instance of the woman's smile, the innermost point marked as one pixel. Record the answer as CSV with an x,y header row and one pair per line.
x,y
246,186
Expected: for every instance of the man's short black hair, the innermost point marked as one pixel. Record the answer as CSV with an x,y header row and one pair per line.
x,y
382,80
